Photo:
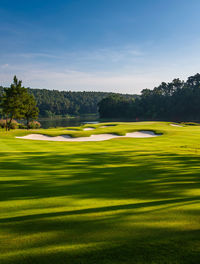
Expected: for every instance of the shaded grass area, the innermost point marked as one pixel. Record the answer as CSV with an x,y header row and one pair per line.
x,y
120,201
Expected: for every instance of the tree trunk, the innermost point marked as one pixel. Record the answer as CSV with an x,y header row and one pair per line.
x,y
6,123
10,123
27,122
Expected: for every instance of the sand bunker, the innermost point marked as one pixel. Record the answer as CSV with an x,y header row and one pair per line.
x,y
88,128
175,125
100,137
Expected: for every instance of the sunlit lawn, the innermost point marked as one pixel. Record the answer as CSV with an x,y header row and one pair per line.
x,y
118,201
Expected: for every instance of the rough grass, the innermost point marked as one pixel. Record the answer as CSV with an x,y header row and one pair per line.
x,y
118,201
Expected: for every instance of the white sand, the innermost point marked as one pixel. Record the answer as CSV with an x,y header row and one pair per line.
x,y
88,128
100,137
175,125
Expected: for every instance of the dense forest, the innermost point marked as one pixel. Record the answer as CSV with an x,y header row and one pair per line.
x,y
54,102
176,100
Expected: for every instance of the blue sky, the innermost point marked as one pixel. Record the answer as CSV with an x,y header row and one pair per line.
x,y
98,45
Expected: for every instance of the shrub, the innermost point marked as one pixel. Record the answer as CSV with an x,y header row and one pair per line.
x,y
2,123
34,125
14,124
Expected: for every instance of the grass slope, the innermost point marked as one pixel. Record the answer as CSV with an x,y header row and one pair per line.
x,y
117,201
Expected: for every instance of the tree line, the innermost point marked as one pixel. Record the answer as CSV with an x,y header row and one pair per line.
x,y
176,100
17,103
53,102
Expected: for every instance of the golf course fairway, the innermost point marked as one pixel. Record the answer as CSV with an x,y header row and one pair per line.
x,y
119,201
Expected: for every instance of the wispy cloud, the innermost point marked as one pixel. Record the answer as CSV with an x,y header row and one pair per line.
x,y
78,80
113,54
125,69
106,55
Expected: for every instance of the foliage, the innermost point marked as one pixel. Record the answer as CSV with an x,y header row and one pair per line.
x,y
34,125
115,106
2,123
177,100
17,103
22,126
13,125
13,102
51,103
31,111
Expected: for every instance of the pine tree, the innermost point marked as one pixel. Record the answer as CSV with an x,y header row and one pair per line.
x,y
13,101
18,103
31,110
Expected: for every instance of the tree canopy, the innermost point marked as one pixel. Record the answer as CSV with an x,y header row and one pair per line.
x,y
176,100
17,103
53,102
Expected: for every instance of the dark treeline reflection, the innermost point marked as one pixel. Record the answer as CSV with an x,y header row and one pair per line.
x,y
68,122
176,100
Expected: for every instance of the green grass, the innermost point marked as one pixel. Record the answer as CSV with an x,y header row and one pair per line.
x,y
128,200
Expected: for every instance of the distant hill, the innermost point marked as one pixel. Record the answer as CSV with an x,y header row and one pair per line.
x,y
54,102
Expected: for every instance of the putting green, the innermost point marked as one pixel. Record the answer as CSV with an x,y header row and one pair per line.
x,y
124,200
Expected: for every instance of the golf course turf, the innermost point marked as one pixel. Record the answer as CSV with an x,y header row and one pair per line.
x,y
124,200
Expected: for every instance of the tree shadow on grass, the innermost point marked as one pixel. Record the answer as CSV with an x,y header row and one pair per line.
x,y
163,181
147,249
170,203
121,175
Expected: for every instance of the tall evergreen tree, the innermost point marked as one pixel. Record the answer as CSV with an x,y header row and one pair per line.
x,y
16,102
13,101
31,111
